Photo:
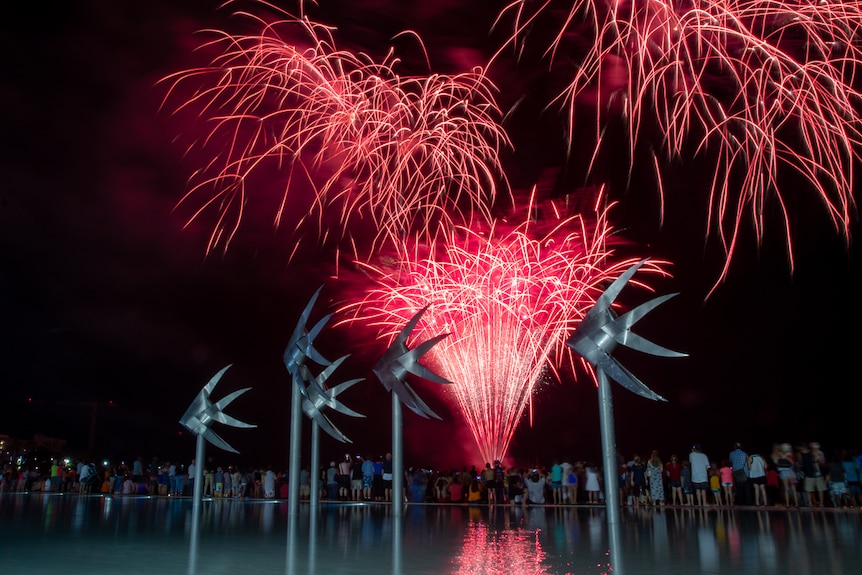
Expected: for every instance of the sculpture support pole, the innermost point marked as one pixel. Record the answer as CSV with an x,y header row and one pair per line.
x,y
295,450
197,499
397,461
198,493
609,448
315,466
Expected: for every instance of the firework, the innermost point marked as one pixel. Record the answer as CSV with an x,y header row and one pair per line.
x,y
509,298
400,154
767,90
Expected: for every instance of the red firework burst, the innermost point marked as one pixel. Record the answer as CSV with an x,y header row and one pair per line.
x,y
409,154
509,298
758,86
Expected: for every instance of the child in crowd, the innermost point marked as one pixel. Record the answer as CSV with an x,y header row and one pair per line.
x,y
725,473
685,480
715,484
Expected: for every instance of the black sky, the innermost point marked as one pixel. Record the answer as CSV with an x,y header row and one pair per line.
x,y
108,301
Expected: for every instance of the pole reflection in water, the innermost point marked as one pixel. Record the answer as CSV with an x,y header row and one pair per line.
x,y
292,542
615,544
194,540
397,526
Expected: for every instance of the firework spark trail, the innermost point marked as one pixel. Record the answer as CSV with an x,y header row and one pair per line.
x,y
761,85
409,153
509,299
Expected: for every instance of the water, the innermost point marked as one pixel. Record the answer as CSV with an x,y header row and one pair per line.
x,y
71,534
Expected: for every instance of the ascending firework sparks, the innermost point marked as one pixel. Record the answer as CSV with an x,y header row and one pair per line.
x,y
508,297
760,86
409,154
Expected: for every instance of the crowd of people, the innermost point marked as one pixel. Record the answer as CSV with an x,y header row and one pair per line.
x,y
800,476
791,476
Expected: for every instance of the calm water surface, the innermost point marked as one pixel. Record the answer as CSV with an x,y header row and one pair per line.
x,y
71,534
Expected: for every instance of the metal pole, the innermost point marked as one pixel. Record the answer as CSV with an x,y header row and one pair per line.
x,y
315,466
609,448
295,450
397,460
197,503
198,493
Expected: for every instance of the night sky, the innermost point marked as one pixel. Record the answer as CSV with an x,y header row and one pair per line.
x,y
110,306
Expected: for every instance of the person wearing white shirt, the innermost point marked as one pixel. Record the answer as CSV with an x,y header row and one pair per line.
x,y
699,463
757,477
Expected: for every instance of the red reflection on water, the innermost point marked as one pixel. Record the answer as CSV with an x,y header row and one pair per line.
x,y
499,552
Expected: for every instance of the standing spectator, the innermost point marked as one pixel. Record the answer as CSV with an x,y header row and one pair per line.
x,y
368,471
557,482
773,486
814,483
138,470
416,480
592,486
191,475
387,477
456,489
488,484
53,483
674,478
344,467
153,474
499,483
685,479
570,483
172,478
757,477
637,481
249,483
715,484
377,488
725,476
739,462
332,482
237,480
181,477
356,480
699,473
87,477
269,482
655,478
304,483
467,477
164,480
218,479
786,466
259,474
853,477
209,477
227,480
837,483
